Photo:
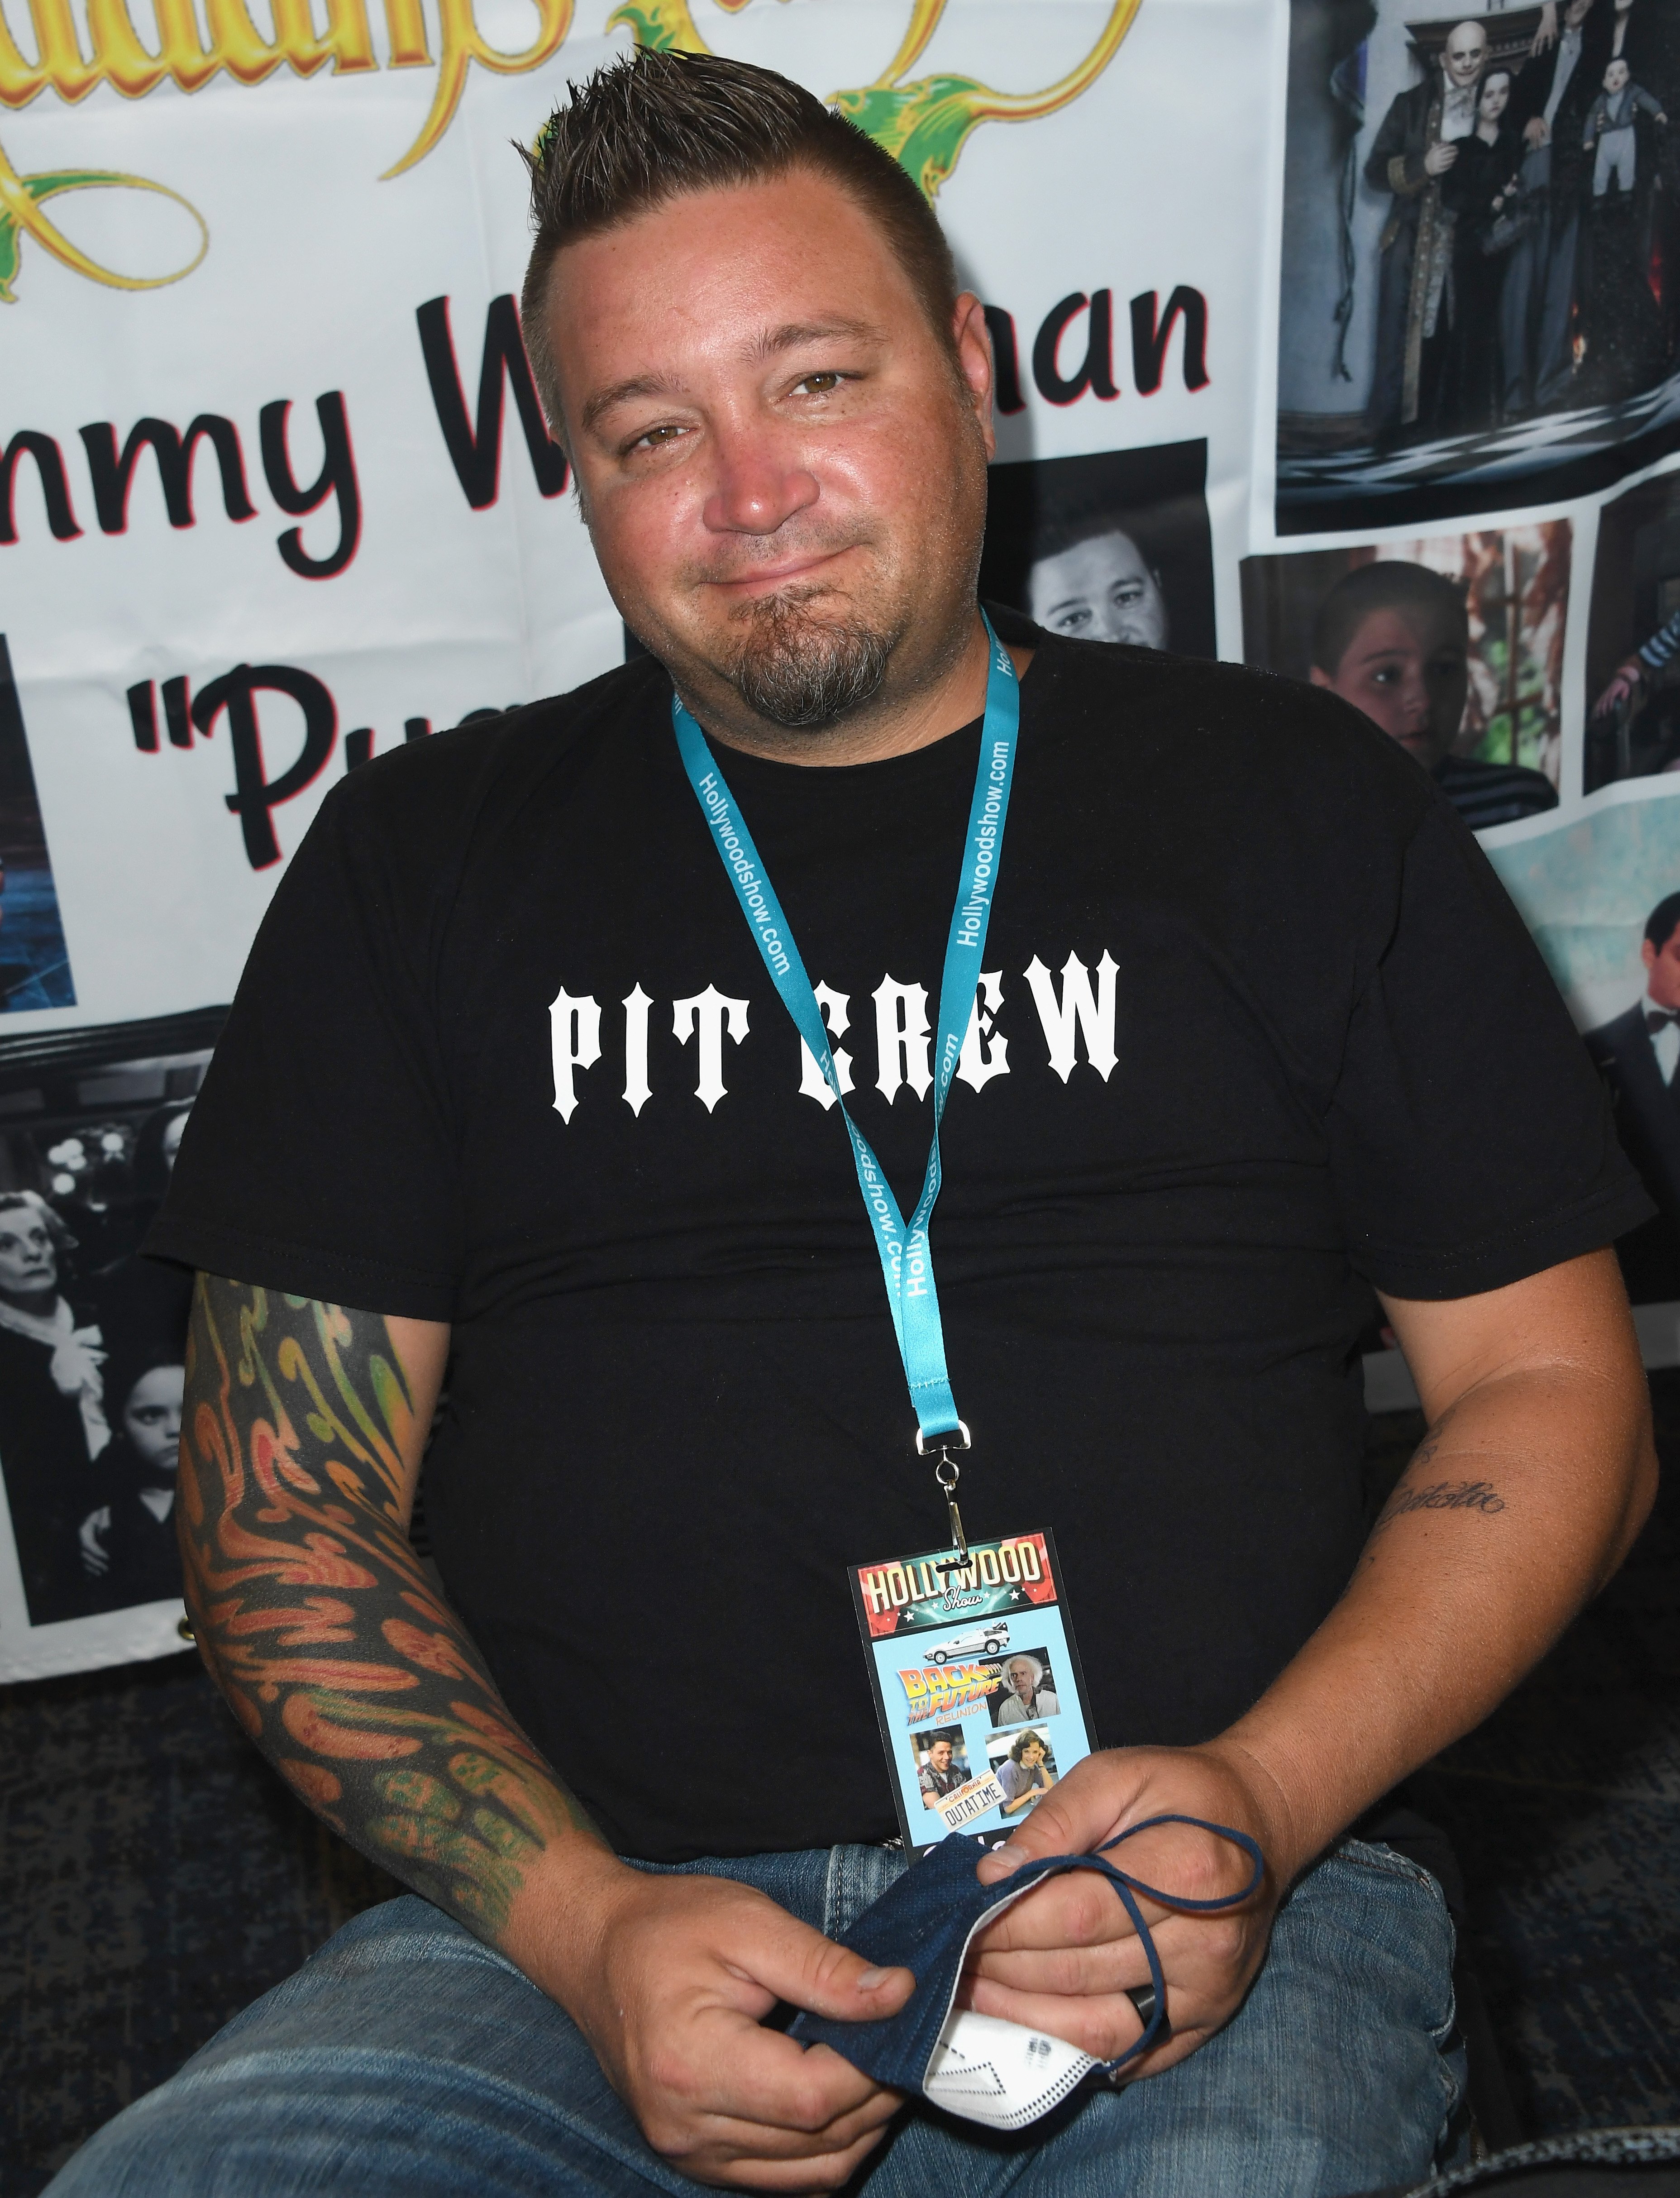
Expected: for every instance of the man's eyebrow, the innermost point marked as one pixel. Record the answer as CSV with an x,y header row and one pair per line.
x,y
792,334
620,393
770,344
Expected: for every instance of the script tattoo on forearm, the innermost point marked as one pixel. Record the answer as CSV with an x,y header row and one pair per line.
x,y
316,1617
1439,1496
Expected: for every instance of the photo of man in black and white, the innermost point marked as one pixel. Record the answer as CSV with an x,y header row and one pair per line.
x,y
1113,547
1638,1052
92,1335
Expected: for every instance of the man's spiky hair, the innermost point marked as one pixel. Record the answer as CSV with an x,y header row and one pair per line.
x,y
656,125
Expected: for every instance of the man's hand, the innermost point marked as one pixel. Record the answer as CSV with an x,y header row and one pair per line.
x,y
1622,686
670,1980
1062,1959
1547,33
1536,134
1439,159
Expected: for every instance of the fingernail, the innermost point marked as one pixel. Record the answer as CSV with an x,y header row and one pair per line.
x,y
873,1979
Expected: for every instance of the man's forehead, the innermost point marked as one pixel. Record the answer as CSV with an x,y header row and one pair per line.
x,y
794,250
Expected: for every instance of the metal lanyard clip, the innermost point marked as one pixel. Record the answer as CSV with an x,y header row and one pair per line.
x,y
948,1472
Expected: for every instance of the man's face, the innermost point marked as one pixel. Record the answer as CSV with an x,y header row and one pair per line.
x,y
1407,670
939,1755
28,1264
783,470
1615,77
1663,967
1100,590
152,1417
1465,54
1496,97
1021,1677
1576,13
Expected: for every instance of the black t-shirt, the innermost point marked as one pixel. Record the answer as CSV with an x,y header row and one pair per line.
x,y
1263,1023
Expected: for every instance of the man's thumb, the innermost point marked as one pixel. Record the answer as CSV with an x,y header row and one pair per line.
x,y
810,1971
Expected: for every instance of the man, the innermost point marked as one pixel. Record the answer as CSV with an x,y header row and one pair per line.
x,y
1554,94
1100,588
1027,1698
558,1130
1415,147
939,1776
1638,1053
1393,639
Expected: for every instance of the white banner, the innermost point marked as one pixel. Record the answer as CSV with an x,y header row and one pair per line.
x,y
276,494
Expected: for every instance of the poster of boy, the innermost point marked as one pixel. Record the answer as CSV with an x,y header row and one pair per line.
x,y
1452,645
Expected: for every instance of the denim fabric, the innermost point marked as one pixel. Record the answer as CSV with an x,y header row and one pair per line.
x,y
407,2061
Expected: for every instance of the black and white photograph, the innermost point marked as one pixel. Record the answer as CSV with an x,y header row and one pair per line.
x,y
1480,281
92,1335
1113,547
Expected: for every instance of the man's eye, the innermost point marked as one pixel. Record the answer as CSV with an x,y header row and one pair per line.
x,y
1128,592
654,438
819,385
1071,621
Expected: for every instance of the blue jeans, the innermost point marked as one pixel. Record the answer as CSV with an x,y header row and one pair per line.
x,y
405,2060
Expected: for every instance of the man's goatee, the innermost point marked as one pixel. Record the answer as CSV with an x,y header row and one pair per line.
x,y
804,672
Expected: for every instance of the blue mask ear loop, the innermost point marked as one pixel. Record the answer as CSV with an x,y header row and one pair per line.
x,y
1126,1885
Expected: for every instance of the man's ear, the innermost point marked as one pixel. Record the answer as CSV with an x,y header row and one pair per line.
x,y
971,339
1648,954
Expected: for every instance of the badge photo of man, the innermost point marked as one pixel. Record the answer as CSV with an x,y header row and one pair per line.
x,y
1027,1692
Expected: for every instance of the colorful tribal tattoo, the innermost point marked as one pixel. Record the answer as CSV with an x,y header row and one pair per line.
x,y
316,1617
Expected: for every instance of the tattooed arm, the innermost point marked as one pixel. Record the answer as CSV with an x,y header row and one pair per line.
x,y
1536,1472
300,1448
301,1444
1525,1494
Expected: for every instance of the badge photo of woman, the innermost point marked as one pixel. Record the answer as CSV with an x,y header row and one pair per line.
x,y
1025,1773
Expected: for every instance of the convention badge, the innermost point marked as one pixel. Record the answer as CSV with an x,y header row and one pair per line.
x,y
977,1683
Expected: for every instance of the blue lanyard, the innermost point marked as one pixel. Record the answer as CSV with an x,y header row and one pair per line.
x,y
906,1255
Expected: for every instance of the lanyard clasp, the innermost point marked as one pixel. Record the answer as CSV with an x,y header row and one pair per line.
x,y
948,1472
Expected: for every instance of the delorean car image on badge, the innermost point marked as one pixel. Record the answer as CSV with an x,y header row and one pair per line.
x,y
984,1641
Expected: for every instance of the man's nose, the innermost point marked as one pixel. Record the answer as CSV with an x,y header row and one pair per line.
x,y
757,488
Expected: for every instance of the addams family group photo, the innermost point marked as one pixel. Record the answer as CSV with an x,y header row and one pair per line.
x,y
1481,236
92,1336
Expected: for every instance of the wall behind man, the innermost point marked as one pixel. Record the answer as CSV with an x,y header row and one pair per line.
x,y
275,496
